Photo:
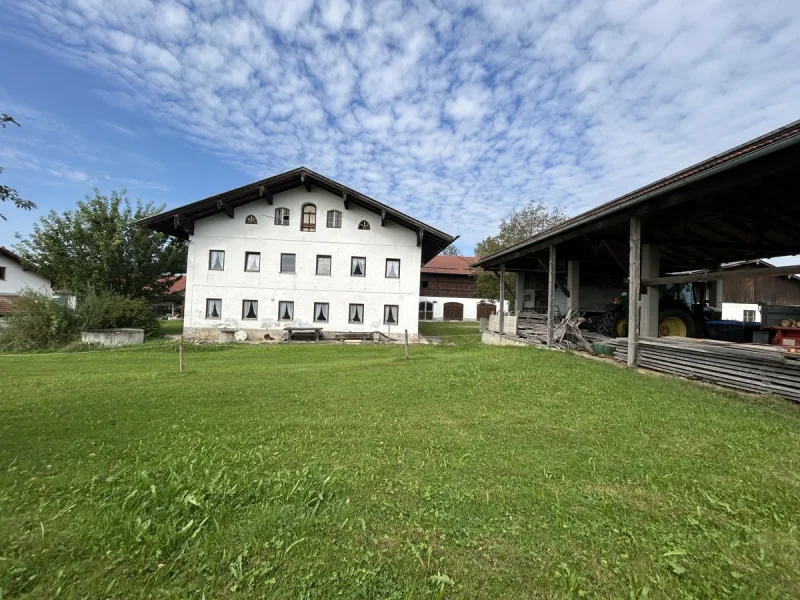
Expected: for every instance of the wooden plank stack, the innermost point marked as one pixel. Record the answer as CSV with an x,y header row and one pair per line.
x,y
532,327
750,367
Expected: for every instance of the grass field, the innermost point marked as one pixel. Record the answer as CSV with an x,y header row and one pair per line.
x,y
452,332
313,472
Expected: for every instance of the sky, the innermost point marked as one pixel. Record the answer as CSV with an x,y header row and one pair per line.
x,y
453,112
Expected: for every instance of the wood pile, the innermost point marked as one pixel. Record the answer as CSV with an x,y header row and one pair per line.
x,y
532,327
790,323
750,367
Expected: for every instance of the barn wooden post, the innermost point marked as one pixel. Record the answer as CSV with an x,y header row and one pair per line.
x,y
574,286
634,272
502,310
551,294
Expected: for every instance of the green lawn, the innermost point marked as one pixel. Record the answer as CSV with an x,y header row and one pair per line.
x,y
452,332
313,472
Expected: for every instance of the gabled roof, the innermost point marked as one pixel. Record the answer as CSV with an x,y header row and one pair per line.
x,y
449,265
179,222
9,254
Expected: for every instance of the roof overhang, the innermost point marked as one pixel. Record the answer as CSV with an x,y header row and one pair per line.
x,y
772,158
179,222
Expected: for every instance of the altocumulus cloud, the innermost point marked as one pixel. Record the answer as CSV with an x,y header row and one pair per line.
x,y
456,111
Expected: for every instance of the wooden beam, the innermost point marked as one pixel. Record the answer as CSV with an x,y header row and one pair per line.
x,y
613,254
551,293
501,315
421,233
346,201
710,245
183,223
560,284
264,193
383,217
724,275
225,207
305,181
634,269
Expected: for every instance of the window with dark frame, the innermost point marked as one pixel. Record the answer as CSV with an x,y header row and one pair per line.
x,y
213,308
250,220
281,216
364,225
321,312
390,314
216,260
356,313
323,265
2,273
249,309
287,263
358,266
334,219
285,310
393,268
426,311
309,220
252,261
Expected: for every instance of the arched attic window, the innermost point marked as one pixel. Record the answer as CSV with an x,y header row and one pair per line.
x,y
363,225
309,220
250,220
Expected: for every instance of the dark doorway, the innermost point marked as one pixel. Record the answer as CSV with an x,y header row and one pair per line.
x,y
453,311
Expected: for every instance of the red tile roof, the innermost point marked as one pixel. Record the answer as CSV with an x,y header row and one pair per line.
x,y
449,265
6,303
178,285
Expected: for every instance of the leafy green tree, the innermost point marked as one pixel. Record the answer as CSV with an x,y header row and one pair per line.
x,y
98,246
451,250
519,225
8,194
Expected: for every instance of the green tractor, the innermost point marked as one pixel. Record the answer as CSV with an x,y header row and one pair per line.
x,y
683,311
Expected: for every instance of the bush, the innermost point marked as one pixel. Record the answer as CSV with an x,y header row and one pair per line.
x,y
38,322
108,310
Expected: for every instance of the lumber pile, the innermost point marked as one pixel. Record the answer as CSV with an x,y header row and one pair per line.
x,y
532,328
750,367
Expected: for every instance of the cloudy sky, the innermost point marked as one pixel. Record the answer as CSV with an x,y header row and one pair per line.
x,y
455,112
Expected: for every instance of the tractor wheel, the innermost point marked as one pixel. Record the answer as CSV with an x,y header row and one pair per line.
x,y
675,322
613,324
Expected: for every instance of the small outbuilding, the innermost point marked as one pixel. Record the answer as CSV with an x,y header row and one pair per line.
x,y
741,205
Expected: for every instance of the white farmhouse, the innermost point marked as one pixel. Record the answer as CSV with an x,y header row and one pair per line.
x,y
14,279
299,250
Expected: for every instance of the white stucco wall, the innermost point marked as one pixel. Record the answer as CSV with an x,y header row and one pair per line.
x,y
304,287
734,311
17,279
470,306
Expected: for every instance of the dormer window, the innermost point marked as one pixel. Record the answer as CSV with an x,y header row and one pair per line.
x,y
250,220
364,225
282,216
309,222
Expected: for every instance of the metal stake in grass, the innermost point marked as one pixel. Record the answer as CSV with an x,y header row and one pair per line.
x,y
406,344
180,355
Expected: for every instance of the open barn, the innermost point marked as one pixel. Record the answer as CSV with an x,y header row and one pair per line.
x,y
741,205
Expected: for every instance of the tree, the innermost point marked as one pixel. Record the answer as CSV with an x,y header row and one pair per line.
x,y
451,250
8,194
519,225
99,247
